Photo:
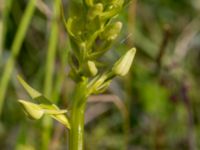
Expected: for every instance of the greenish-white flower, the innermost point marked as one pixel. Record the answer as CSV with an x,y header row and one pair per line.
x,y
33,111
95,11
89,2
111,31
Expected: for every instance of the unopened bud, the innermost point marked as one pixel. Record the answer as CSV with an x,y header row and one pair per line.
x,y
112,31
89,2
123,65
33,111
92,68
69,25
95,10
117,3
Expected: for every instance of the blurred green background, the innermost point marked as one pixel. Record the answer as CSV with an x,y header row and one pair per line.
x,y
155,107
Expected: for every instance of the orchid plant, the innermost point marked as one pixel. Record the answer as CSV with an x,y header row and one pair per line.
x,y
92,29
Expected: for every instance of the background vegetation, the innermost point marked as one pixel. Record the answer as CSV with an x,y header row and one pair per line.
x,y
156,107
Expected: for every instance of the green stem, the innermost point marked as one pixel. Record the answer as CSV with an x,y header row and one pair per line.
x,y
1,37
61,73
15,49
3,22
77,130
77,117
53,42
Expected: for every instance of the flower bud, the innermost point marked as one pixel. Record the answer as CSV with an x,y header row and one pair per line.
x,y
89,2
92,68
33,111
95,10
111,32
117,3
123,65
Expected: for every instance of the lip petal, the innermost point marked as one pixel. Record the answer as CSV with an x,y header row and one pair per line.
x,y
33,111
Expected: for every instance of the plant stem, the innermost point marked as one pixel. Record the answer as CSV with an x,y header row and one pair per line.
x,y
77,117
15,49
5,10
53,42
61,73
77,130
2,9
